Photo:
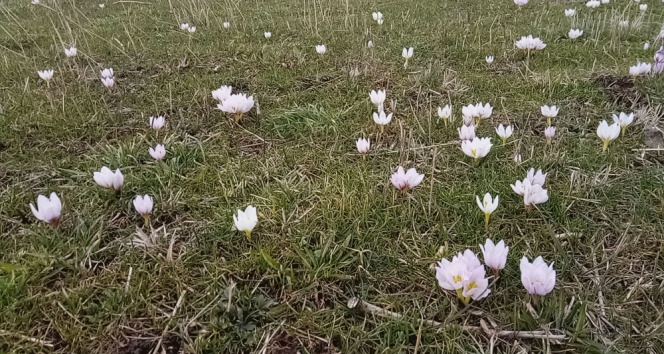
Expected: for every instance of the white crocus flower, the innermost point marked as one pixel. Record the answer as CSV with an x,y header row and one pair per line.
x,y
646,45
403,180
607,133
246,220
570,12
643,7
592,4
267,35
504,132
407,54
549,133
106,73
158,153
363,146
321,49
46,75
378,98
623,119
574,33
222,93
48,209
520,2
476,148
108,82
109,179
640,69
445,113
184,26
537,277
534,194
237,104
382,119
157,123
488,205
227,24
529,43
495,255
489,59
143,205
466,132
71,52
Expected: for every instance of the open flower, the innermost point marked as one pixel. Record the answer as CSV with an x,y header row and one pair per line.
x,y
570,12
529,43
45,75
607,133
71,52
536,177
48,209
484,111
476,148
465,275
378,98
184,26
382,119
495,255
109,179
643,7
574,33
321,49
537,277
467,132
143,205
504,132
549,133
406,180
246,220
158,153
640,69
237,104
445,113
624,120
488,206
363,145
191,29
489,59
377,16
157,123
533,195
592,4
222,93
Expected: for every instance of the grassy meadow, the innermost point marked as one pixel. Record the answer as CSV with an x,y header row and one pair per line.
x,y
332,228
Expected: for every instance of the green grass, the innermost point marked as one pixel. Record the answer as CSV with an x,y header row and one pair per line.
x,y
331,226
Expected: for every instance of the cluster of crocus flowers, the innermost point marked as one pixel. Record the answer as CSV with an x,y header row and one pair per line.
x,y
488,205
236,104
380,117
404,180
640,69
187,27
530,43
48,209
532,188
378,17
107,78
474,113
504,132
476,148
608,133
465,275
246,220
407,53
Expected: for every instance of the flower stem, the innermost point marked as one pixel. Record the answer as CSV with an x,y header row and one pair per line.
x,y
248,233
622,130
486,219
548,121
146,220
606,145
